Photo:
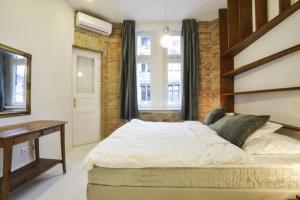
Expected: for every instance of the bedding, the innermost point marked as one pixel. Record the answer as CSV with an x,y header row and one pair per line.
x,y
237,128
214,116
264,172
221,122
265,130
273,144
140,144
184,160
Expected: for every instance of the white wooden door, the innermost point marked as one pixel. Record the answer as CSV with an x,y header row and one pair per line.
x,y
86,97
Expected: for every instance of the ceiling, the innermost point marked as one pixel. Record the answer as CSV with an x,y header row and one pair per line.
x,y
150,10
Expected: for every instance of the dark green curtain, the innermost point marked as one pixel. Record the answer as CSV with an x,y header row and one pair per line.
x,y
2,96
190,70
128,87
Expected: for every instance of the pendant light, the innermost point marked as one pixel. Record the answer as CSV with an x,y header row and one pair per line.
x,y
165,37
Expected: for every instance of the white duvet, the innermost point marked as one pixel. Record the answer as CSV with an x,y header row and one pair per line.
x,y
140,144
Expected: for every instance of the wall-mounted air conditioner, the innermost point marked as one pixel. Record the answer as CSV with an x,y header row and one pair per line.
x,y
93,24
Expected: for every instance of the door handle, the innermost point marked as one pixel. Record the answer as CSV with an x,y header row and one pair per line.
x,y
74,102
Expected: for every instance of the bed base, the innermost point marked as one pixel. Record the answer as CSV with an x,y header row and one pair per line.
x,y
102,192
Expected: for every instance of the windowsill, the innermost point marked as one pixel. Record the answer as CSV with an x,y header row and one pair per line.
x,y
14,107
158,109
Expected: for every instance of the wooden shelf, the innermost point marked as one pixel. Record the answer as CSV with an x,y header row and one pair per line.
x,y
236,49
26,173
262,91
287,126
261,61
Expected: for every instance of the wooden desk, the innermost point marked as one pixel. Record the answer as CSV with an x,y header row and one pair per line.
x,y
16,134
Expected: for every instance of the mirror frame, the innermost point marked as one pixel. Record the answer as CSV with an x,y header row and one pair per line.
x,y
28,83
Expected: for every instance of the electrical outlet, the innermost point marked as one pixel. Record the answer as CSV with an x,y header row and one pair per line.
x,y
27,149
24,150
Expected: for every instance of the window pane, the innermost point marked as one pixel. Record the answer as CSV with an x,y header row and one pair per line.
x,y
143,83
174,83
143,89
176,96
143,67
143,45
20,85
170,93
85,75
174,46
148,93
170,97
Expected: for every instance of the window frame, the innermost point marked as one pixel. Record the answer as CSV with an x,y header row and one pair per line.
x,y
158,61
172,59
145,59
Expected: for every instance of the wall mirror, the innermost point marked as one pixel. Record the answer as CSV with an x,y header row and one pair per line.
x,y
15,75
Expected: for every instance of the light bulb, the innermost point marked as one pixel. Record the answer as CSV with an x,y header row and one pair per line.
x,y
165,38
79,74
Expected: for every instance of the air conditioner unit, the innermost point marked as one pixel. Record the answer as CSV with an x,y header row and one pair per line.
x,y
93,24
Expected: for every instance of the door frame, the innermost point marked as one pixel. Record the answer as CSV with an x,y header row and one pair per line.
x,y
98,56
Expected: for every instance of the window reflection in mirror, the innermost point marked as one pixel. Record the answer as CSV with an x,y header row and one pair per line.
x,y
14,76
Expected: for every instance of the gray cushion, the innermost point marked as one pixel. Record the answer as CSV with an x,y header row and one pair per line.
x,y
218,124
237,128
214,116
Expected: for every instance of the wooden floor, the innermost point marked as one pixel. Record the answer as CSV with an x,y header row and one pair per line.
x,y
52,185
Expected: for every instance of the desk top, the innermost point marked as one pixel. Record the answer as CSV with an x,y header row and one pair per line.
x,y
16,130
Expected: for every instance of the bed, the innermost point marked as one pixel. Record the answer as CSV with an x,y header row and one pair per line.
x,y
186,160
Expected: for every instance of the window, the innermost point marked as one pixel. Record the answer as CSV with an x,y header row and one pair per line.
x,y
175,45
173,93
174,83
174,60
144,45
143,83
144,55
159,81
19,85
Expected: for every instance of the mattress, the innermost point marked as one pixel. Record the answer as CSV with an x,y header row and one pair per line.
x,y
265,172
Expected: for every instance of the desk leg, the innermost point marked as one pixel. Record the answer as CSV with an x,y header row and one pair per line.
x,y
37,148
7,158
63,153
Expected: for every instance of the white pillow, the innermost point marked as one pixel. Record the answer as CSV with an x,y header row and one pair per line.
x,y
267,129
273,144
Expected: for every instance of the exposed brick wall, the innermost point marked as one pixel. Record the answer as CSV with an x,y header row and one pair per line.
x,y
160,116
110,74
209,97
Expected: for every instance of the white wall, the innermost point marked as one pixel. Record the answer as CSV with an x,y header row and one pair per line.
x,y
43,28
284,72
273,8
